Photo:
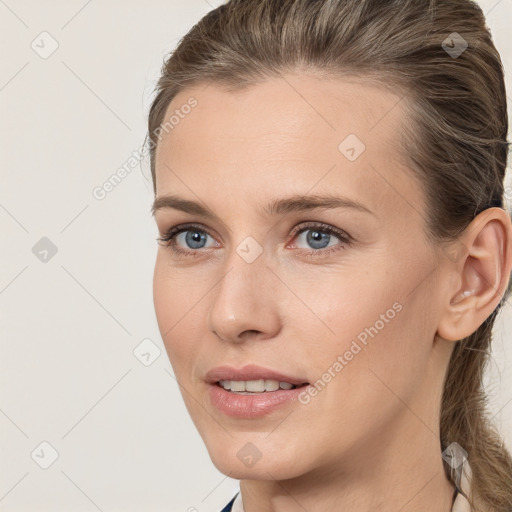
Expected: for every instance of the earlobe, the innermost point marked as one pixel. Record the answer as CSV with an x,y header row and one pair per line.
x,y
482,275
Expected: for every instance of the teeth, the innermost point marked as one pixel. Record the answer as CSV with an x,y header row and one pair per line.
x,y
237,386
271,385
254,386
226,384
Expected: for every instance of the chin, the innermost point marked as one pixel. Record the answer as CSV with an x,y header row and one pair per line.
x,y
268,470
243,459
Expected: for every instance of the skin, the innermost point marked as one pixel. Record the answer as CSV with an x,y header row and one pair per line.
x,y
370,439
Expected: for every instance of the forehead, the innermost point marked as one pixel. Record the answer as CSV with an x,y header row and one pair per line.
x,y
287,132
293,106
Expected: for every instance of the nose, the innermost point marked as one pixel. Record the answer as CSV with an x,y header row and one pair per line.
x,y
245,302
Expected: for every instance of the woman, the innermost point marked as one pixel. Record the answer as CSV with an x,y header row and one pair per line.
x,y
334,249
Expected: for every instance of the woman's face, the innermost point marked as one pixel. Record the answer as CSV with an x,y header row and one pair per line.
x,y
262,281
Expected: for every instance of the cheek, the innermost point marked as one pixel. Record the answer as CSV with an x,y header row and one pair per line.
x,y
384,335
164,298
379,352
175,293
371,320
176,315
347,305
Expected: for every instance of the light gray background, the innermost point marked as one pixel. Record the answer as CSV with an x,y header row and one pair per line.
x,y
69,326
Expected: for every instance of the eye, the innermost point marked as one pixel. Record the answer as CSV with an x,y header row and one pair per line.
x,y
187,239
190,236
320,239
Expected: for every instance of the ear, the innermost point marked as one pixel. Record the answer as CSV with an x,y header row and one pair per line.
x,y
479,266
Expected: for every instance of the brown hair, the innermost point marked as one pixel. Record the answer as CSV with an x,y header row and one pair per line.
x,y
454,139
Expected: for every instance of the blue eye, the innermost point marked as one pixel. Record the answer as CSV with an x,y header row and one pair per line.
x,y
321,239
317,238
194,238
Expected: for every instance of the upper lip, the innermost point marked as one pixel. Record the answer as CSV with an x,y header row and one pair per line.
x,y
250,372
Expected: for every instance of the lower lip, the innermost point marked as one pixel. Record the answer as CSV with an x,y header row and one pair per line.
x,y
252,406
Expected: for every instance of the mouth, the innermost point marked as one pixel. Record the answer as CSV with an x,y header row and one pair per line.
x,y
251,387
253,379
253,391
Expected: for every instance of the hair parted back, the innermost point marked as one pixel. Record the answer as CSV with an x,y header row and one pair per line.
x,y
454,138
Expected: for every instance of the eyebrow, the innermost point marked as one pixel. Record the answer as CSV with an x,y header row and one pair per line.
x,y
295,203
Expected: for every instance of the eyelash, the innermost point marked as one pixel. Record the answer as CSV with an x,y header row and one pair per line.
x,y
169,239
